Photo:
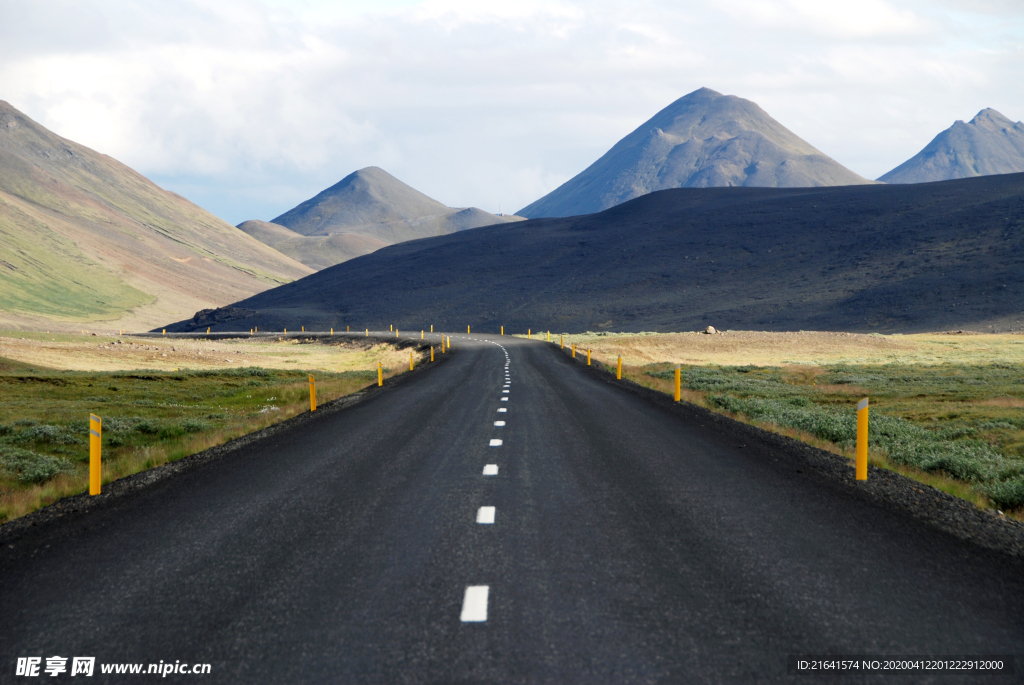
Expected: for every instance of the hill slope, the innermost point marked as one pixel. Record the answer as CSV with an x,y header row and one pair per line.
x,y
365,211
702,140
316,251
860,258
989,144
83,238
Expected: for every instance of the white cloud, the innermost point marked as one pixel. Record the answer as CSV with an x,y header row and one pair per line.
x,y
843,19
249,108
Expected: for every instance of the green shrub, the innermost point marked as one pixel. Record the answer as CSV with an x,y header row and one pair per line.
x,y
30,467
120,424
1007,494
56,435
194,425
904,442
147,427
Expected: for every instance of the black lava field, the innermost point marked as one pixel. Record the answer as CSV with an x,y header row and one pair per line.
x,y
885,258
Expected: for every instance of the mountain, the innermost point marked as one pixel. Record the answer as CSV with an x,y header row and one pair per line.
x,y
886,258
363,212
702,140
318,251
989,144
86,240
365,197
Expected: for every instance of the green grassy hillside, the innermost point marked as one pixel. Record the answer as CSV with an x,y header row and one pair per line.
x,y
84,238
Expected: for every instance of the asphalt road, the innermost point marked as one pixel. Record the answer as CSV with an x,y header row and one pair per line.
x,y
628,546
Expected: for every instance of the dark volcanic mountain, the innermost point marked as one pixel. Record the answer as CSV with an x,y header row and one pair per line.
x,y
989,144
363,212
702,140
859,258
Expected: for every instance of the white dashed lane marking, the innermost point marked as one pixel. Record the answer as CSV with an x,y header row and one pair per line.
x,y
505,391
499,423
495,442
504,399
503,410
491,470
485,515
474,604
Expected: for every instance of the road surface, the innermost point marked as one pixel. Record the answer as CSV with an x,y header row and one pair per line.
x,y
627,546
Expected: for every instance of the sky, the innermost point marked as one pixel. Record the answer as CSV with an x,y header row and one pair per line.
x,y
248,108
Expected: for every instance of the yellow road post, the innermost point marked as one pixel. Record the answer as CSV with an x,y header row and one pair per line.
x,y
347,329
529,334
421,335
574,350
503,330
431,353
286,331
95,454
410,361
431,328
396,332
467,330
207,330
618,371
862,439
391,327
380,374
332,331
165,331
588,357
549,336
679,393
303,329
312,394
367,332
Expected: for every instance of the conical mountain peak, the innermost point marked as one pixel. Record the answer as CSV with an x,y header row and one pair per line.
x,y
366,210
703,139
368,196
988,144
991,119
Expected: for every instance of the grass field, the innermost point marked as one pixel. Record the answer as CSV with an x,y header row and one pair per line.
x,y
153,414
946,409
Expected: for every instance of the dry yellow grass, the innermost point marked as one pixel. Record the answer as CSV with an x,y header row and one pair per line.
x,y
740,348
126,353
